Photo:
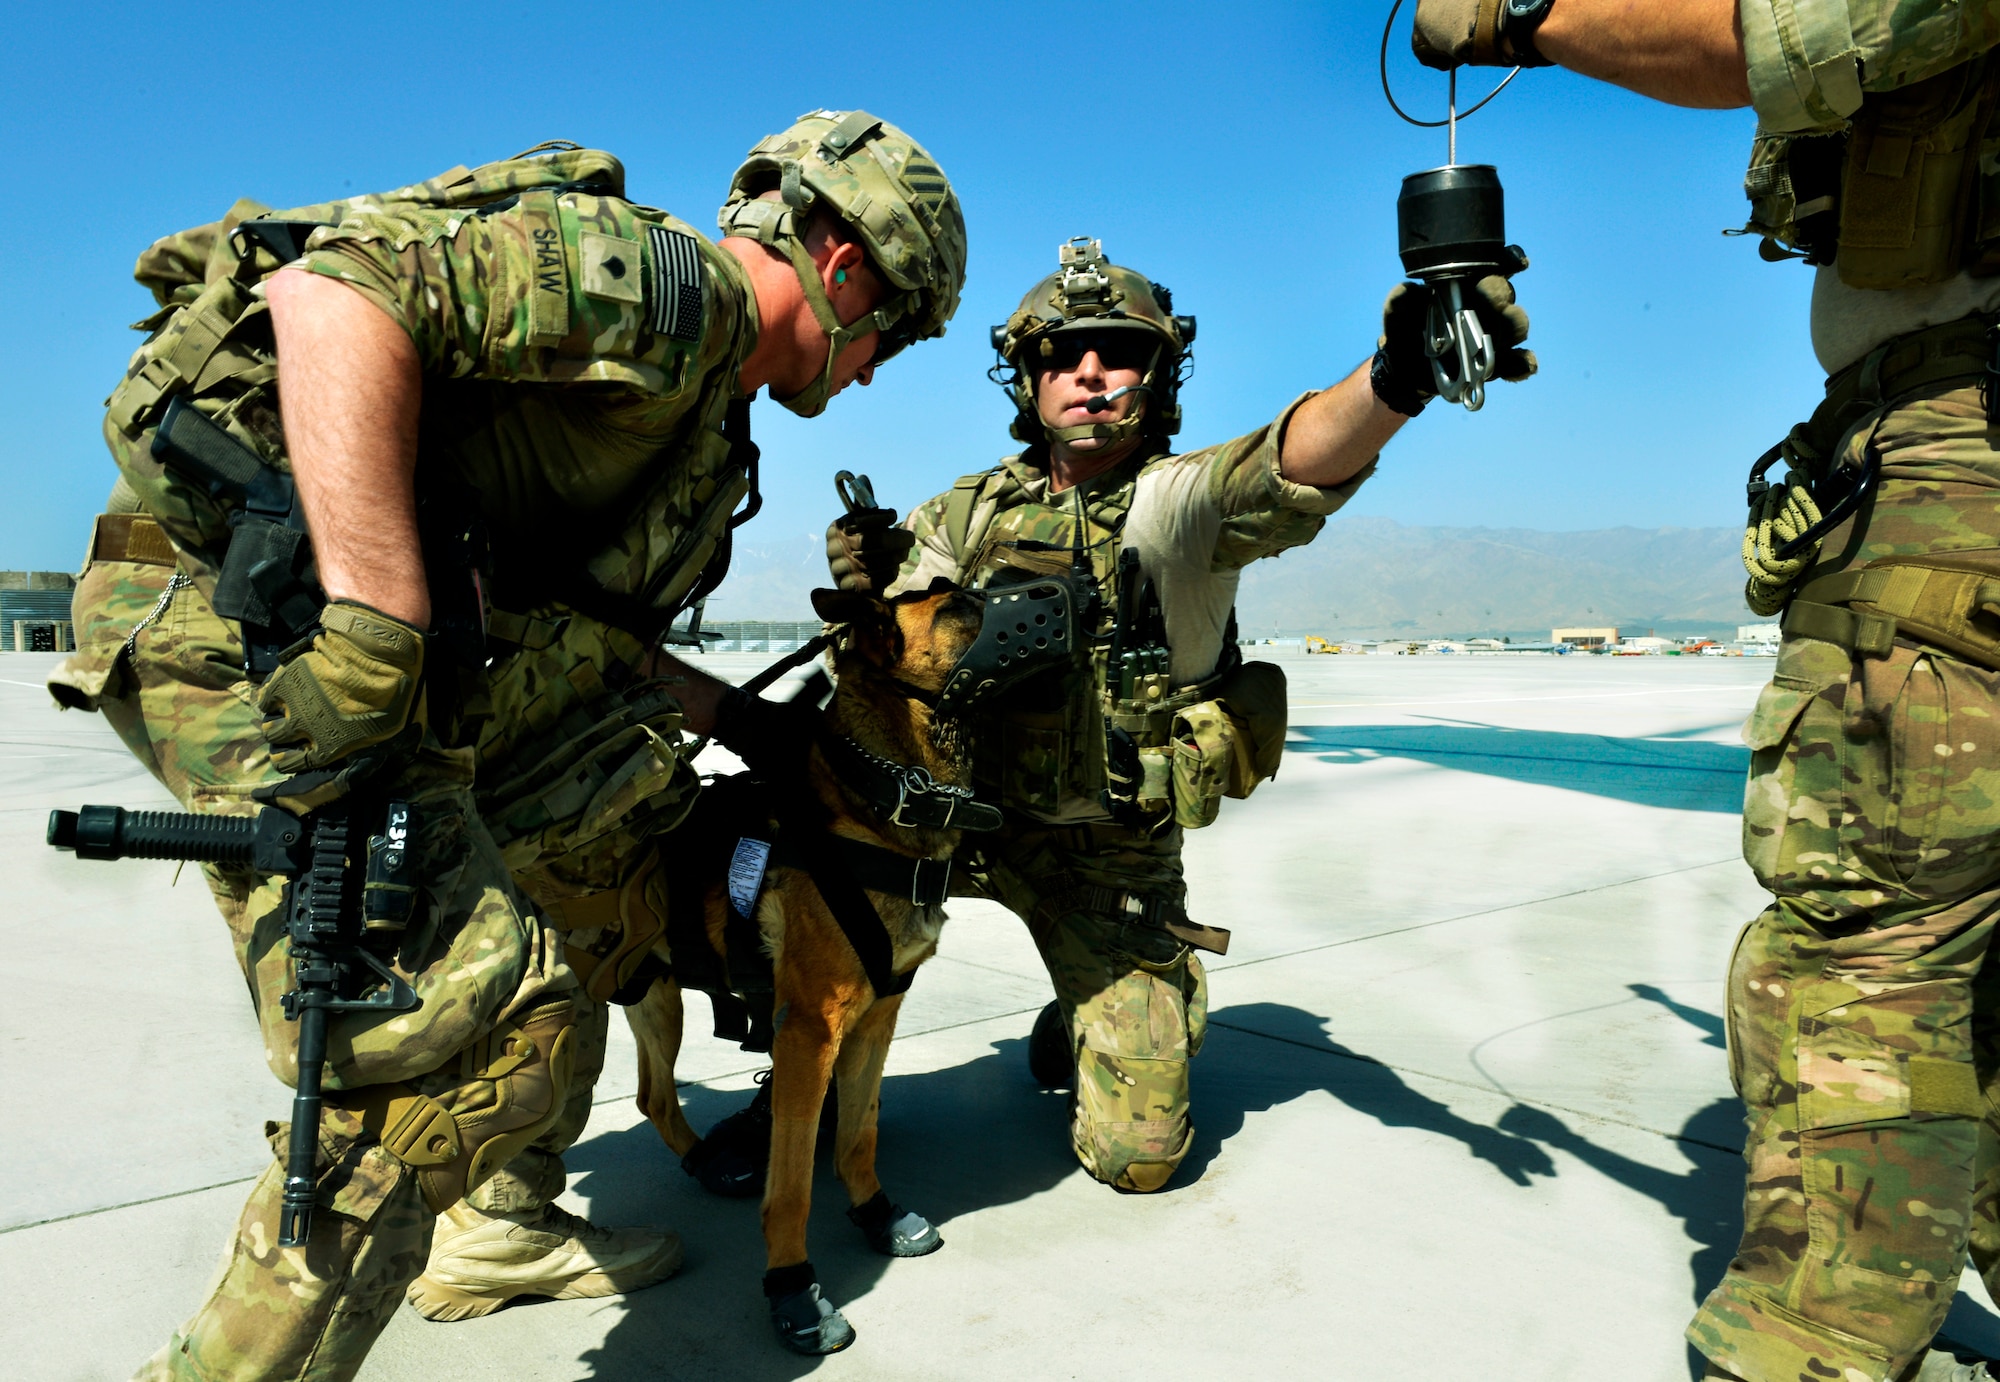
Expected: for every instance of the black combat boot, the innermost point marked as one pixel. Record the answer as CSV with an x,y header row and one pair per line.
x,y
1051,1054
731,1160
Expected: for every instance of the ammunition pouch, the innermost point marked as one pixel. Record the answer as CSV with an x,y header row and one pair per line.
x,y
264,580
1949,601
1180,756
506,1089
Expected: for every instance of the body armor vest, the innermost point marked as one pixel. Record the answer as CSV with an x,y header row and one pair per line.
x,y
1096,739
1908,195
211,353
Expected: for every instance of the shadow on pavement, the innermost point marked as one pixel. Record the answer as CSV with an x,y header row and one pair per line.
x,y
1229,1088
1683,775
953,1142
1706,1198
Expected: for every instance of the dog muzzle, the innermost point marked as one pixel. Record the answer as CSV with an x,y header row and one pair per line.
x,y
1024,628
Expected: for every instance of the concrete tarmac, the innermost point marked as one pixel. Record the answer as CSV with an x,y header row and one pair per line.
x,y
1462,1113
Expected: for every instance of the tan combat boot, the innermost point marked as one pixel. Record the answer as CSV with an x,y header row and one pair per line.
x,y
1940,1366
479,1262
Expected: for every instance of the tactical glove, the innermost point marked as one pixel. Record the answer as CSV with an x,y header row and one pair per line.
x,y
1401,374
1471,33
865,550
771,737
353,685
373,766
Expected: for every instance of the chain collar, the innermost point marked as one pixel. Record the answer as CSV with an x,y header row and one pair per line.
x,y
908,795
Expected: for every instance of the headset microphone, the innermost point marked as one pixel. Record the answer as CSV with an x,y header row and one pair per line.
x,y
1100,402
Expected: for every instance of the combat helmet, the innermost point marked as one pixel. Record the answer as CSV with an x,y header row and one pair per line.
x,y
1088,293
889,192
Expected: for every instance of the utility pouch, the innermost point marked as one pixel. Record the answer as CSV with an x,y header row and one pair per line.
x,y
1793,184
1906,195
1204,748
1253,696
613,766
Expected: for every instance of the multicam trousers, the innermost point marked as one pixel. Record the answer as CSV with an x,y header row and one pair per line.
x,y
1135,996
1864,1018
163,669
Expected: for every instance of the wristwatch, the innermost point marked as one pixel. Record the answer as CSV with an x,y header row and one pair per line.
x,y
1519,19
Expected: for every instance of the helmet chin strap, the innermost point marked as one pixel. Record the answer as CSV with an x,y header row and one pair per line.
x,y
1109,433
811,401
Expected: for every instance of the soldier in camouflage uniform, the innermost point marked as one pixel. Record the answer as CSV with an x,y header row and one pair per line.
x,y
1100,767
519,352
1861,1003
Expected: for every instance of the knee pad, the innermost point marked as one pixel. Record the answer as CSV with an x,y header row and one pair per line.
x,y
456,1127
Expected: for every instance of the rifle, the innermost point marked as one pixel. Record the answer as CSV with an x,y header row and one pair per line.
x,y
337,917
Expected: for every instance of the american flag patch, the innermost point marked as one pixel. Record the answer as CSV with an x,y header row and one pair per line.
x,y
676,284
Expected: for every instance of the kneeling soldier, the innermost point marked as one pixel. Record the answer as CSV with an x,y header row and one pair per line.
x,y
1099,767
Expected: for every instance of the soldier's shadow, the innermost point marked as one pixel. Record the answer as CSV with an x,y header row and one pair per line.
x,y
953,1141
1707,1197
1260,1055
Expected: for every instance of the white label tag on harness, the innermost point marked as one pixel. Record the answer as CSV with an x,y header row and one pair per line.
x,y
746,874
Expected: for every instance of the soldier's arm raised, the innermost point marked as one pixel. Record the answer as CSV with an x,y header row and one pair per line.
x,y
1335,433
349,387
1684,52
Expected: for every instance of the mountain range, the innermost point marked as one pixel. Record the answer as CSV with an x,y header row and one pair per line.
x,y
1367,577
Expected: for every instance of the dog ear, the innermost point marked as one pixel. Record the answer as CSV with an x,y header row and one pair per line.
x,y
848,606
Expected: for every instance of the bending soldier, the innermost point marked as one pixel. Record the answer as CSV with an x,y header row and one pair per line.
x,y
1099,769
514,417
1861,1001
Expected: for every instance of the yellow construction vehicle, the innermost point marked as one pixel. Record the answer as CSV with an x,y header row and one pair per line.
x,y
1316,644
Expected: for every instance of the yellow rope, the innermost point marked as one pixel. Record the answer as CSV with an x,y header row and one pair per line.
x,y
1780,514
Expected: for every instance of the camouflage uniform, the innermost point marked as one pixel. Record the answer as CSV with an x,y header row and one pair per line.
x,y
1861,1004
634,479
1134,994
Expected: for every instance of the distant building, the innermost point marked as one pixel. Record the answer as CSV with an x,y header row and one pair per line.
x,y
34,612
1757,633
1584,638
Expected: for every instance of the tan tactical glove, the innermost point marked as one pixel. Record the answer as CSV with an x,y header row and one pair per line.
x,y
1401,374
355,685
1471,33
865,550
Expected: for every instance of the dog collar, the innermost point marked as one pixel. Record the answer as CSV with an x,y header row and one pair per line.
x,y
907,796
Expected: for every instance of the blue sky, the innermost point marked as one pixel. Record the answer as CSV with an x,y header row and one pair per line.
x,y
1241,154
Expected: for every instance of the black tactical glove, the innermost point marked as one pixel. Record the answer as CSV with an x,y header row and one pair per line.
x,y
865,550
352,685
1401,374
1474,33
771,737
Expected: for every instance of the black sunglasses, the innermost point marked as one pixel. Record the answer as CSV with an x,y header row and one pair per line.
x,y
1063,351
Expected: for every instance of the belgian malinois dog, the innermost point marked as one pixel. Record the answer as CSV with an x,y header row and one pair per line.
x,y
890,662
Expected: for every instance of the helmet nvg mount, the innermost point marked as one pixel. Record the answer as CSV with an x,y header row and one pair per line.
x,y
1088,293
891,196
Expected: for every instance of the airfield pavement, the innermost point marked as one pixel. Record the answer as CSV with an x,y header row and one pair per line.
x,y
1463,1111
